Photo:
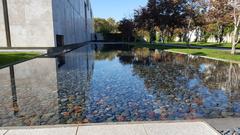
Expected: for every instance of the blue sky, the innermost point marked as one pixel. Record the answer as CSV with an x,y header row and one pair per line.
x,y
116,9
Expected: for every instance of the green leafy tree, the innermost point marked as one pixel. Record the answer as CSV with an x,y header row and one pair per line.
x,y
105,25
162,15
219,16
126,27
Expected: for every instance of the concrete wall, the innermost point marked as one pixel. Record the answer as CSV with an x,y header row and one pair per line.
x,y
2,28
31,23
35,23
69,20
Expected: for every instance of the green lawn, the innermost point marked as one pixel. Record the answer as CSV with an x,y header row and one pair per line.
x,y
210,53
11,57
199,52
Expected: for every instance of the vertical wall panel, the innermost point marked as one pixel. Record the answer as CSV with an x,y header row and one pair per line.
x,y
31,23
71,23
3,42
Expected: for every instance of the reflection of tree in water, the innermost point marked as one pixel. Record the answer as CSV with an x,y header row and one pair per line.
x,y
219,75
160,71
186,86
105,55
167,67
109,52
191,80
225,76
214,74
233,82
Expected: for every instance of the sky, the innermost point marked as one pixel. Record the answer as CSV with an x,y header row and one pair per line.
x,y
116,9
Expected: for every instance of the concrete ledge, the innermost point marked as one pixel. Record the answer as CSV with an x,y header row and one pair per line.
x,y
155,128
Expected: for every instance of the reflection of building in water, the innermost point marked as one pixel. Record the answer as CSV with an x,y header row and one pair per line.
x,y
34,92
12,86
32,88
14,90
73,82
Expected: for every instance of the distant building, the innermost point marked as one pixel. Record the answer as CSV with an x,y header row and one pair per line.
x,y
44,23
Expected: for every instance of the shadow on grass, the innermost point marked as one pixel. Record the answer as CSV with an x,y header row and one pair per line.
x,y
158,46
208,44
165,46
199,53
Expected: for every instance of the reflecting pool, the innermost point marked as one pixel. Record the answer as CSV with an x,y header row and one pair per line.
x,y
117,83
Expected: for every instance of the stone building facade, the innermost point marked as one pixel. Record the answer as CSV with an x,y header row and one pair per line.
x,y
45,23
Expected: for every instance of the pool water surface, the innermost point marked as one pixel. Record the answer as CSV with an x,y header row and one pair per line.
x,y
117,83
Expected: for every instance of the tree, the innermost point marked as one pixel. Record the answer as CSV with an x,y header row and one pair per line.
x,y
236,21
162,15
105,25
205,17
113,24
194,17
153,12
126,27
146,18
219,16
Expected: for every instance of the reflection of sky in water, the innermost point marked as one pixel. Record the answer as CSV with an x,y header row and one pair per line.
x,y
211,99
202,68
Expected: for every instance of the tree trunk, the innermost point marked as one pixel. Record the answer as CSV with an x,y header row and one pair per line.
x,y
235,32
189,33
163,36
218,33
235,40
197,35
233,49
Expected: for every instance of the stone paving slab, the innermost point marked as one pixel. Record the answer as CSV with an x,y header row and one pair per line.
x,y
183,128
131,129
178,128
155,128
2,132
224,123
44,131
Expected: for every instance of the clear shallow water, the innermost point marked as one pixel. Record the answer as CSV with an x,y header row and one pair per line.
x,y
117,83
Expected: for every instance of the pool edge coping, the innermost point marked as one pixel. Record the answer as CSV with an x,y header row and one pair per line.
x,y
105,123
201,121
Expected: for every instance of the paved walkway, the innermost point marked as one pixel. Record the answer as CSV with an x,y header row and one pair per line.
x,y
171,128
